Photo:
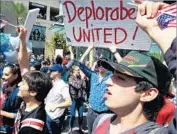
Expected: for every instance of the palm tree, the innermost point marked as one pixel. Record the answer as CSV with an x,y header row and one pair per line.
x,y
57,42
18,9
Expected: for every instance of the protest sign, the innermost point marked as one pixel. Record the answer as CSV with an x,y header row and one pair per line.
x,y
103,23
30,20
59,52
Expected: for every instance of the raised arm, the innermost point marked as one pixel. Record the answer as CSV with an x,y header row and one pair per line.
x,y
71,62
86,53
113,50
23,54
165,38
147,20
87,71
71,52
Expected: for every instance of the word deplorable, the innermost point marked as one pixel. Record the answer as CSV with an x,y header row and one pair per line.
x,y
85,13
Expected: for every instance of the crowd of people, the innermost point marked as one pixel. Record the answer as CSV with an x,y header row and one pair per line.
x,y
129,96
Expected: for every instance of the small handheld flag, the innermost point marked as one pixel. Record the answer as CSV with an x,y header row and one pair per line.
x,y
3,23
167,16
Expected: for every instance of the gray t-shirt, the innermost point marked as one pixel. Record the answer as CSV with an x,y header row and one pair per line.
x,y
145,128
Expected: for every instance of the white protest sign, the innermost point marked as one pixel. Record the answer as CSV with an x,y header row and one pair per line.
x,y
59,52
30,20
103,23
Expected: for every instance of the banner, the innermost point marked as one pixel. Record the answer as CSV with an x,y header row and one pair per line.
x,y
103,23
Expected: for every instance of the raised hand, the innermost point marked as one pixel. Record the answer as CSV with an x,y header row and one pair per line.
x,y
22,33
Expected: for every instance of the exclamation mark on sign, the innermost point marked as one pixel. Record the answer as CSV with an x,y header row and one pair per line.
x,y
134,35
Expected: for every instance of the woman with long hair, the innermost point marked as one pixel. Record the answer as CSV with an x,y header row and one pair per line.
x,y
11,102
76,88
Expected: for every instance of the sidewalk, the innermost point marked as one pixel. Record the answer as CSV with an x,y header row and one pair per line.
x,y
66,123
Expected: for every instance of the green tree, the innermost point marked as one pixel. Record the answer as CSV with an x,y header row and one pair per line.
x,y
18,9
58,42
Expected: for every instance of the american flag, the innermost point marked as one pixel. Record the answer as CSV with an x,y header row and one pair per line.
x,y
167,16
3,23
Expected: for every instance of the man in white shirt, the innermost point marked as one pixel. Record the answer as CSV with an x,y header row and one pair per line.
x,y
57,100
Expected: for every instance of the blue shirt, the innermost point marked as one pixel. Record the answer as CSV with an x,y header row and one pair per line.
x,y
66,70
97,88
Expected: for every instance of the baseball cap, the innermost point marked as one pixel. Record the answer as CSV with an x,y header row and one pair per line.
x,y
35,64
56,67
44,69
143,66
99,61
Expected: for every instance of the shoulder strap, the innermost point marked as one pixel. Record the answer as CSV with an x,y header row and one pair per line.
x,y
99,120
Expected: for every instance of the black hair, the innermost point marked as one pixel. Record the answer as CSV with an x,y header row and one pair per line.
x,y
48,61
15,69
169,2
38,67
38,82
45,63
164,77
67,53
150,109
58,60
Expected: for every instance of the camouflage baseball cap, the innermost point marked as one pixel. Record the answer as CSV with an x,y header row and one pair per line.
x,y
140,65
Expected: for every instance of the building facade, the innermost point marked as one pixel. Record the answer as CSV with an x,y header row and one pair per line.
x,y
41,32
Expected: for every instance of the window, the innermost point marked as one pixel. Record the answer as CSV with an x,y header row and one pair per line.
x,y
42,12
38,51
54,14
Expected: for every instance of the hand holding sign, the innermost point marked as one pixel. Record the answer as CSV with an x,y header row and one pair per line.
x,y
30,20
149,8
22,33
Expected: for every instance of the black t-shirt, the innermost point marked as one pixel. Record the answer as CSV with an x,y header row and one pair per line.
x,y
33,122
11,104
